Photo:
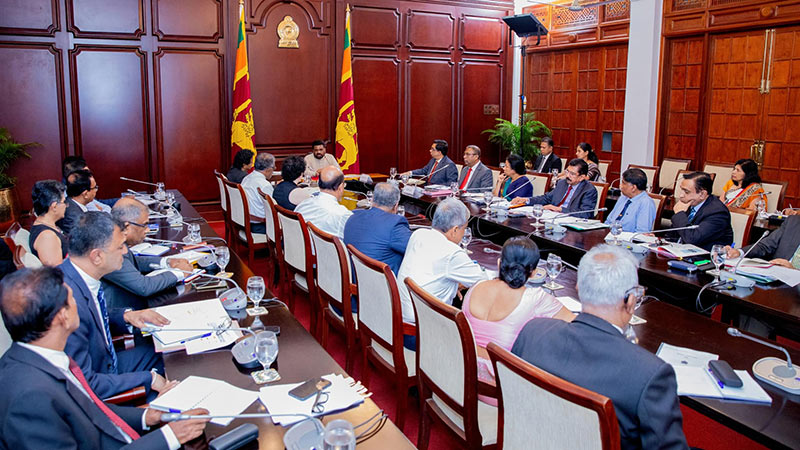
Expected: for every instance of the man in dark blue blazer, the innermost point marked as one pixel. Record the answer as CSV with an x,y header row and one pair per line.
x,y
440,169
573,193
96,248
379,232
696,206
81,190
547,160
592,352
45,404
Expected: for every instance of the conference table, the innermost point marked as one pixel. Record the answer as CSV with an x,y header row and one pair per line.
x,y
300,357
776,304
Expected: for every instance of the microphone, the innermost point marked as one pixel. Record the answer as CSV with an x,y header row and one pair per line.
x,y
172,417
142,182
436,171
772,370
232,299
636,248
731,277
555,228
528,181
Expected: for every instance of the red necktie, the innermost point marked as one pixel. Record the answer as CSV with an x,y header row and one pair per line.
x,y
466,177
433,169
117,420
569,189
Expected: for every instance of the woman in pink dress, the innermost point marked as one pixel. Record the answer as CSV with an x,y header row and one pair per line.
x,y
498,309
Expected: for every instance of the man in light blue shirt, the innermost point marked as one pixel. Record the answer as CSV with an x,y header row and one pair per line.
x,y
634,209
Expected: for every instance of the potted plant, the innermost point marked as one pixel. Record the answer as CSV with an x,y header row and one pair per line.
x,y
506,134
10,151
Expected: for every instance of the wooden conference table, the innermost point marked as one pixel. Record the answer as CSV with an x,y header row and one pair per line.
x,y
776,304
300,357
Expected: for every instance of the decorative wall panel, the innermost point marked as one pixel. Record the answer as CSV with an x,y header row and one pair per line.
x,y
122,19
29,17
188,20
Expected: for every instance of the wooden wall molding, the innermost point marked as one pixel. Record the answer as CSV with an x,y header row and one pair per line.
x,y
49,25
385,32
425,31
77,8
188,21
686,17
607,24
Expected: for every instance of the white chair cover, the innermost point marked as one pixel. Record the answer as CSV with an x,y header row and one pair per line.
x,y
740,222
723,175
222,193
294,246
774,194
237,205
539,184
5,338
270,220
22,239
375,306
329,271
669,172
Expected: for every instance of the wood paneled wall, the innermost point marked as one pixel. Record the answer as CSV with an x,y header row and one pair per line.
x,y
141,88
729,80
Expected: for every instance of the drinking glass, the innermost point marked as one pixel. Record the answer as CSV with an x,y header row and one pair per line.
x,y
160,194
223,257
170,198
487,198
267,352
718,258
616,230
554,266
174,217
404,178
761,208
538,210
339,435
193,229
393,173
255,290
454,188
370,194
401,210
466,239
553,178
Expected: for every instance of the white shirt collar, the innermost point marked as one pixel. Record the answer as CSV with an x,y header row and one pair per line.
x,y
618,328
91,283
327,197
80,205
57,358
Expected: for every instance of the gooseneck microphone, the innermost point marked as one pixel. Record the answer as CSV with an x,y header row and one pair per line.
x,y
556,228
139,181
527,182
771,370
733,278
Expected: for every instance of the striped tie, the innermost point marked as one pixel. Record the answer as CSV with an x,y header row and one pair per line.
x,y
101,300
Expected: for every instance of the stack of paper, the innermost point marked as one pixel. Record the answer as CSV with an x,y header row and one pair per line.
x,y
218,397
191,255
694,378
765,272
680,250
343,393
148,249
627,235
203,314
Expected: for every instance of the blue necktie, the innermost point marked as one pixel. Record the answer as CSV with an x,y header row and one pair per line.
x,y
101,300
624,208
692,212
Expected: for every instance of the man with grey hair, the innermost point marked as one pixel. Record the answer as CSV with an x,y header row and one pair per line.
x,y
379,232
435,260
128,286
263,167
592,352
474,175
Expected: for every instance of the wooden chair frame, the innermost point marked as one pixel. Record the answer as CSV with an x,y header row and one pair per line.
x,y
751,217
688,163
273,264
727,166
470,437
784,185
346,325
289,272
549,177
601,203
399,372
608,163
602,405
225,204
662,199
652,182
247,218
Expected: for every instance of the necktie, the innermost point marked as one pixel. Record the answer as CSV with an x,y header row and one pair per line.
x,y
692,212
466,177
796,258
433,169
569,189
115,419
101,300
624,208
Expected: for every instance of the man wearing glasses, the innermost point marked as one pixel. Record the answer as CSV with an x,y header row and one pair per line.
x,y
128,286
474,177
81,190
571,194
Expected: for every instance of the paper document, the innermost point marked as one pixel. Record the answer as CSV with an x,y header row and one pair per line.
x,y
191,255
700,382
343,393
680,250
200,314
583,224
148,249
682,356
627,235
575,307
764,272
218,397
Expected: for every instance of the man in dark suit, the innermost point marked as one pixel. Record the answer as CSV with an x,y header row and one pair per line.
x,y
592,352
440,169
47,402
81,190
128,286
696,206
547,159
781,248
96,248
379,232
474,175
573,193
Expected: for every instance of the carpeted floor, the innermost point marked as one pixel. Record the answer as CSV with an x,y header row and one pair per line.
x,y
701,432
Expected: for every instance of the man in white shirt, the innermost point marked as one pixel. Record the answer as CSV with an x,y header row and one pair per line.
x,y
255,180
319,159
323,208
51,405
434,259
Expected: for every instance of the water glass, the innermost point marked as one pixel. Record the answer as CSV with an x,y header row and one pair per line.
x,y
538,211
174,217
255,290
487,198
761,208
466,239
160,193
266,349
222,256
718,258
454,188
170,198
554,266
404,178
616,230
370,194
401,210
339,435
553,178
393,173
193,229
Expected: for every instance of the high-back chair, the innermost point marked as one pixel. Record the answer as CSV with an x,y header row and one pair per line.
x,y
540,181
774,193
681,175
381,328
602,192
27,259
659,201
564,162
240,221
223,202
495,175
298,270
5,338
669,171
22,238
603,166
334,289
742,222
540,410
650,171
723,174
447,371
271,222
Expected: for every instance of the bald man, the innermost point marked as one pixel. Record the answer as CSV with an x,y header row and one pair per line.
x,y
323,208
128,286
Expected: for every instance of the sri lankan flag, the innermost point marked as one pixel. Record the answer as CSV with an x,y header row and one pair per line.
x,y
346,132
243,129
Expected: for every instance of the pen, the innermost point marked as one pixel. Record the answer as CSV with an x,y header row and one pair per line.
x,y
191,339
